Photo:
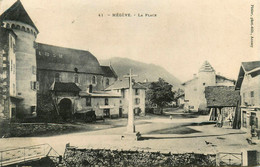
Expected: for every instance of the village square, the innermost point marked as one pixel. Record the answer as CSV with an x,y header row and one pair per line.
x,y
61,106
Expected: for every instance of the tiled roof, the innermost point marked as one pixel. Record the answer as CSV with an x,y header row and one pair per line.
x,y
17,13
64,87
108,71
249,66
124,84
206,67
222,77
50,57
187,82
221,96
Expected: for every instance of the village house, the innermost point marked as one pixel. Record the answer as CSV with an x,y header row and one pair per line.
x,y
138,96
195,88
41,79
248,82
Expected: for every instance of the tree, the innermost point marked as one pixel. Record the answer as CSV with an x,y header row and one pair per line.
x,y
177,94
160,93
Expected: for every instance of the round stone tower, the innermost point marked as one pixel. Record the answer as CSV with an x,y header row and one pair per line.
x,y
206,77
17,19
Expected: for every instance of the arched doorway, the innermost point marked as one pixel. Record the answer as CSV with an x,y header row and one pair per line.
x,y
65,106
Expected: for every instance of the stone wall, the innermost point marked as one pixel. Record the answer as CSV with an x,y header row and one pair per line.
x,y
102,157
33,129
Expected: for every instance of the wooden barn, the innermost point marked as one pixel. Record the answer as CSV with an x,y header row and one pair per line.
x,y
223,102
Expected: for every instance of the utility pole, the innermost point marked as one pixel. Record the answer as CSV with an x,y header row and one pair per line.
x,y
130,124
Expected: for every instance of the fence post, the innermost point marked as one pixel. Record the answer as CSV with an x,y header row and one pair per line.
x,y
218,159
24,154
1,158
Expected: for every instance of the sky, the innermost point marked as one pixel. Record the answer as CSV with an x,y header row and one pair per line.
x,y
183,35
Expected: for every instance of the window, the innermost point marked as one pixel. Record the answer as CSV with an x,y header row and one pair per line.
x,y
120,101
34,70
123,93
88,101
137,101
204,84
94,80
76,78
137,91
107,82
106,101
57,77
252,93
34,85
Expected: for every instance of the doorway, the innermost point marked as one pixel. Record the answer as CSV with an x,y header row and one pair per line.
x,y
65,107
106,113
120,112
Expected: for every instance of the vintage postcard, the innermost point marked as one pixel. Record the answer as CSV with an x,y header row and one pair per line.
x,y
129,83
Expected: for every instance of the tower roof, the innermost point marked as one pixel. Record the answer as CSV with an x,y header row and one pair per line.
x,y
17,13
206,67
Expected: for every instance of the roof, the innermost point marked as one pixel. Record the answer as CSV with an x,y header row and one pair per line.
x,y
206,67
124,84
193,79
17,13
222,77
64,87
145,84
252,68
100,94
249,66
217,77
108,71
221,96
57,58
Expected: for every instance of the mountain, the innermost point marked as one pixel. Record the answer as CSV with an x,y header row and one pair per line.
x,y
144,71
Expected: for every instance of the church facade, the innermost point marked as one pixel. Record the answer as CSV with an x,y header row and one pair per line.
x,y
37,78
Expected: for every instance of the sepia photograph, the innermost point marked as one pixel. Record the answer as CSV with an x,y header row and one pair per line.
x,y
129,83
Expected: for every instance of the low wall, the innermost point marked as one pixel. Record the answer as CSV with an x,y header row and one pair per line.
x,y
102,157
33,129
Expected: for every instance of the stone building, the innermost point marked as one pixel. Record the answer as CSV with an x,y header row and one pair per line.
x,y
138,96
195,88
8,96
39,78
248,83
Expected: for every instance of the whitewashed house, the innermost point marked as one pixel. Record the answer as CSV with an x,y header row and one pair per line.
x,y
248,83
195,88
138,96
